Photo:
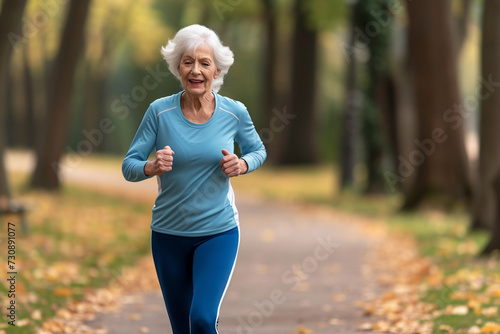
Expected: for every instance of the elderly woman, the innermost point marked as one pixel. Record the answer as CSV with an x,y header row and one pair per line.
x,y
195,225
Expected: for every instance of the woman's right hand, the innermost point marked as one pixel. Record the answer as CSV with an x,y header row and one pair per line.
x,y
163,162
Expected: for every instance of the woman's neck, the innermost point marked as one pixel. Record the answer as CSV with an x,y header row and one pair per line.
x,y
198,102
198,109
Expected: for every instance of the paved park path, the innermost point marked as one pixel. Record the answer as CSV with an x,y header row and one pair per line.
x,y
295,267
299,270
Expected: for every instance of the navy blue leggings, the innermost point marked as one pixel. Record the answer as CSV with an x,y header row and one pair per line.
x,y
194,273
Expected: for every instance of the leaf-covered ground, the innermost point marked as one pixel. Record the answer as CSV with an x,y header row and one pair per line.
x,y
423,297
428,261
74,259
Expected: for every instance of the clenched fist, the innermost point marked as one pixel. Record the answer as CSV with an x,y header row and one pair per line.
x,y
163,162
232,165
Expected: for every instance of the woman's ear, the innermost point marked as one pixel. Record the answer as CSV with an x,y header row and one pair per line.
x,y
217,73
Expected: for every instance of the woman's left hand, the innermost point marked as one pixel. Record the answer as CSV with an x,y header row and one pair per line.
x,y
232,165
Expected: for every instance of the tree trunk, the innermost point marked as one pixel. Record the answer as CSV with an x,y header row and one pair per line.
x,y
494,242
489,134
439,157
93,109
29,95
351,110
300,147
374,129
387,103
269,70
55,131
11,90
10,23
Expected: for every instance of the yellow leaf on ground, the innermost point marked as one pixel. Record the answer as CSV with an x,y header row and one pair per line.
x,y
490,311
53,326
36,315
365,326
369,310
23,322
303,330
381,326
446,328
134,316
64,314
51,275
474,303
338,298
62,292
335,321
388,296
101,331
490,327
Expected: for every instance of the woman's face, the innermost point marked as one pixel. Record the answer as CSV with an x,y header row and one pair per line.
x,y
198,71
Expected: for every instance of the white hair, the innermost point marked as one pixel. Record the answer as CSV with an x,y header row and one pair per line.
x,y
188,39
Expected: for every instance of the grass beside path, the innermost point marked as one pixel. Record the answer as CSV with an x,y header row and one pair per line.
x,y
79,242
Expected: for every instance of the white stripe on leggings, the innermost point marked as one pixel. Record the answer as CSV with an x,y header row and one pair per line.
x,y
228,281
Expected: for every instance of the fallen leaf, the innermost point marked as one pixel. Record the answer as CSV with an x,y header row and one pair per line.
x,y
365,326
490,311
134,316
474,303
446,328
388,296
338,298
382,326
474,330
62,292
64,314
53,326
460,310
303,330
335,321
369,310
23,322
36,315
490,327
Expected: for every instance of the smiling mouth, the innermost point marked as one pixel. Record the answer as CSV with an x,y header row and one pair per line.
x,y
196,81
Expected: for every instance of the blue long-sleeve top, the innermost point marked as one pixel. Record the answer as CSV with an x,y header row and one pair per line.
x,y
195,198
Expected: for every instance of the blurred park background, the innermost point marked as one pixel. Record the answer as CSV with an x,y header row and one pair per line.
x,y
385,108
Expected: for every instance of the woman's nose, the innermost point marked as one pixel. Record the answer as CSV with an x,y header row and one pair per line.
x,y
196,68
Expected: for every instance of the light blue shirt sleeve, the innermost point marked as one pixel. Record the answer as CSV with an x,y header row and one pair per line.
x,y
251,146
141,148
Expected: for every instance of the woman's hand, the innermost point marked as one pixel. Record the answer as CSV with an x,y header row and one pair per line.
x,y
163,162
232,165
